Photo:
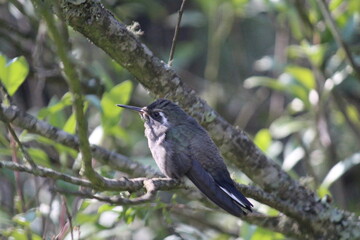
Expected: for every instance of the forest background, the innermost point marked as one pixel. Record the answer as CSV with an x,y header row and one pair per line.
x,y
280,75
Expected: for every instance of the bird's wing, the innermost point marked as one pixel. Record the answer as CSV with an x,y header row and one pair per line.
x,y
207,185
208,171
227,185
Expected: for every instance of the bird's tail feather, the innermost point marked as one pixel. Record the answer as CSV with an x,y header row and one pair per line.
x,y
207,185
237,196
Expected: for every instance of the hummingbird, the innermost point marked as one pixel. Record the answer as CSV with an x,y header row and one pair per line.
x,y
182,147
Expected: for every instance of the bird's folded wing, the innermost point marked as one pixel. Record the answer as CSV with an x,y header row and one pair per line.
x,y
229,188
208,186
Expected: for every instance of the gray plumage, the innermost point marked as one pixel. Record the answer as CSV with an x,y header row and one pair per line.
x,y
181,147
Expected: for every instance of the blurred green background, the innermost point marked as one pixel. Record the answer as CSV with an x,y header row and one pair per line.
x,y
272,68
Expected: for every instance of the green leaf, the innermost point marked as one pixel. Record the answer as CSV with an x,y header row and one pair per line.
x,y
82,218
86,203
120,94
264,234
13,73
323,191
118,132
263,139
21,234
303,75
40,157
353,113
105,207
70,125
56,106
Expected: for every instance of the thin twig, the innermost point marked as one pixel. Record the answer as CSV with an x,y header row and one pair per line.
x,y
150,194
173,44
17,176
68,216
16,139
45,172
47,219
335,32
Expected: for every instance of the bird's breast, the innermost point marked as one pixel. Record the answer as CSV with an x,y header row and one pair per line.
x,y
156,143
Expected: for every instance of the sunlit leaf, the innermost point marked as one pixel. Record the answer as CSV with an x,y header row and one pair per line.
x,y
353,113
292,158
334,4
108,207
354,6
129,215
13,73
284,126
21,234
84,204
82,218
340,169
264,234
263,139
70,125
119,94
264,82
323,191
304,75
316,53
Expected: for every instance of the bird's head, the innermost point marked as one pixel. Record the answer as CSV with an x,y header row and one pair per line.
x,y
160,112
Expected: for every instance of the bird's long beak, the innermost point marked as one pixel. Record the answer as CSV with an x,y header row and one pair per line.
x,y
137,109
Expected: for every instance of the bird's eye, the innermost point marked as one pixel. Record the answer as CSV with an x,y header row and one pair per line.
x,y
156,115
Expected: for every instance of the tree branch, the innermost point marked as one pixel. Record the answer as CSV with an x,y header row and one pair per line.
x,y
173,44
16,139
45,172
116,161
63,51
122,184
149,184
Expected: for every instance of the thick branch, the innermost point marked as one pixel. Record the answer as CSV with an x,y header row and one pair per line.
x,y
113,159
